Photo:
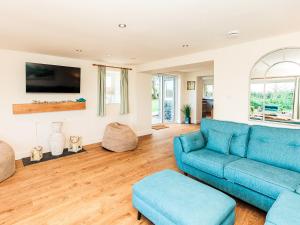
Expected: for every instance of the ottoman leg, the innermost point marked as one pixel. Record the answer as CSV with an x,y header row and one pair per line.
x,y
139,215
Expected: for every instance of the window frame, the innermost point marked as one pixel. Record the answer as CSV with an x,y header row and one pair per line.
x,y
268,79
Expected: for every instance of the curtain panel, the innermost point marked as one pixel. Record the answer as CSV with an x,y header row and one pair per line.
x,y
124,106
101,90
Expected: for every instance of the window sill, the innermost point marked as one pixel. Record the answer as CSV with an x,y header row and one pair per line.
x,y
274,123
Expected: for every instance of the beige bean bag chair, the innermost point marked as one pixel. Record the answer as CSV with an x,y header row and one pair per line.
x,y
119,138
7,161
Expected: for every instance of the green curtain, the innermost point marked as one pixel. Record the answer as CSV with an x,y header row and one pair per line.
x,y
101,90
124,92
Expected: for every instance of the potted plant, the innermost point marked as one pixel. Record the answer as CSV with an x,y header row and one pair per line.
x,y
186,110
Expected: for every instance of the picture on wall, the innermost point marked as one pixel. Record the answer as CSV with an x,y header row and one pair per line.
x,y
191,85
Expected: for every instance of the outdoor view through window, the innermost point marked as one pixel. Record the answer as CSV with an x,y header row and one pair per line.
x,y
274,87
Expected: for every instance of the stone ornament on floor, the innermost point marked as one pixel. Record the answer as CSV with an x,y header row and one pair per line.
x,y
7,161
119,138
75,144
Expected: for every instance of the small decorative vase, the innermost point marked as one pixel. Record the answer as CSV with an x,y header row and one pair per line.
x,y
57,139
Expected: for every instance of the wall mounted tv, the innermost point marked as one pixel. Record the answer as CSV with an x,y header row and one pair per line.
x,y
43,78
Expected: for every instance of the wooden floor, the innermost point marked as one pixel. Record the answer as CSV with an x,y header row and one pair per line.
x,y
93,187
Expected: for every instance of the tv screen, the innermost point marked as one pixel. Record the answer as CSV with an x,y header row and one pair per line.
x,y
52,78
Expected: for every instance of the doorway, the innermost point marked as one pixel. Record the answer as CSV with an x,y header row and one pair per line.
x,y
163,99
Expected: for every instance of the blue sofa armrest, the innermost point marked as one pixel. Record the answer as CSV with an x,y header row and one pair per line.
x,y
178,150
298,189
285,210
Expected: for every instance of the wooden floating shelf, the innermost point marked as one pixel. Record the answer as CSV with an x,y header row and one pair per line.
x,y
47,107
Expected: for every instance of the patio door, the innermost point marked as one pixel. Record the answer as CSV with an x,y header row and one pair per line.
x,y
163,98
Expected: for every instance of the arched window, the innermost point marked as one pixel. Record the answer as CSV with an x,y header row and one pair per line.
x,y
275,88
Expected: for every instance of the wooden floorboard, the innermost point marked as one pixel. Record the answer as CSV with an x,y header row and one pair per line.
x,y
93,187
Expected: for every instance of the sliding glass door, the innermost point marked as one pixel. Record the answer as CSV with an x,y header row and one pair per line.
x,y
163,98
156,100
168,98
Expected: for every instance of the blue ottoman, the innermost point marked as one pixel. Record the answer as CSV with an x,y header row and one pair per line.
x,y
170,198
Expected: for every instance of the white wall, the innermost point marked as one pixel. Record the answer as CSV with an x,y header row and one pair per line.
x,y
232,67
20,130
193,97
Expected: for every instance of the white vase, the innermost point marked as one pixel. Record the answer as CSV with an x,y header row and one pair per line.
x,y
57,139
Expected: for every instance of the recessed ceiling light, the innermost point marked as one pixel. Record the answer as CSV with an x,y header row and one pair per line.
x,y
78,50
185,45
234,33
122,25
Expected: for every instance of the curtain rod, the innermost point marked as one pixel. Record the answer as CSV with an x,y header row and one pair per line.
x,y
116,67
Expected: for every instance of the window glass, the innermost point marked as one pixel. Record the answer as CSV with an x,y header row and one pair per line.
x,y
279,100
208,90
256,100
275,87
113,86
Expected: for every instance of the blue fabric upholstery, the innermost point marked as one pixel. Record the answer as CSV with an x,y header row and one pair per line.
x,y
160,219
229,220
285,211
263,178
155,195
208,161
192,141
252,197
272,165
219,141
275,146
238,145
178,151
151,213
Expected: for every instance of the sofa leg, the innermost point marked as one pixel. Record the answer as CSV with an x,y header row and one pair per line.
x,y
186,174
139,215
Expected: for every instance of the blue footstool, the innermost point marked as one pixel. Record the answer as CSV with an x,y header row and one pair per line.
x,y
170,198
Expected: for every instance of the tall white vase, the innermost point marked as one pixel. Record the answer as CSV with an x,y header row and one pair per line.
x,y
57,139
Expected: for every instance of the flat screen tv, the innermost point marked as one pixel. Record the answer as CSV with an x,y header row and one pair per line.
x,y
43,78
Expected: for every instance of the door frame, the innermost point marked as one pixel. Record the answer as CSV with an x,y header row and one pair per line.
x,y
161,77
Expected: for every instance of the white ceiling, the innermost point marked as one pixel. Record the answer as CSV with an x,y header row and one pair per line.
x,y
156,29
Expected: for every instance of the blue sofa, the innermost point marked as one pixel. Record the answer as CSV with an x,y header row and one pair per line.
x,y
261,163
285,210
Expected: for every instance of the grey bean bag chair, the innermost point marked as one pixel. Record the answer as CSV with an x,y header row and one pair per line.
x,y
7,161
119,138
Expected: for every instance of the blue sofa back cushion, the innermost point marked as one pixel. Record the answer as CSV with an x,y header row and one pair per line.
x,y
219,141
192,141
239,131
275,146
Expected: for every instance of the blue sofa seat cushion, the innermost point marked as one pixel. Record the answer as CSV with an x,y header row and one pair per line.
x,y
285,210
219,141
183,200
275,146
192,141
262,178
239,131
208,161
